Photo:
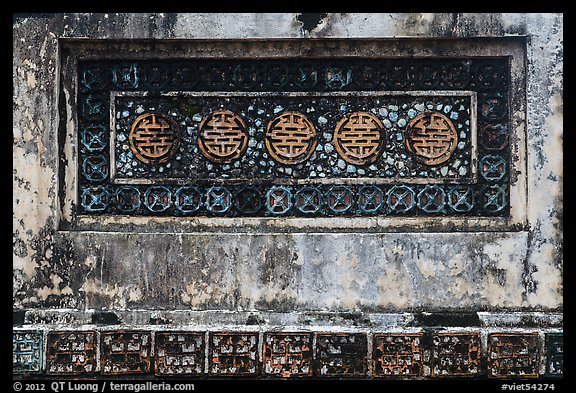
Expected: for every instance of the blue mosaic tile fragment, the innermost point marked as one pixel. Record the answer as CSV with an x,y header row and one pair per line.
x,y
401,199
492,167
555,354
27,352
431,199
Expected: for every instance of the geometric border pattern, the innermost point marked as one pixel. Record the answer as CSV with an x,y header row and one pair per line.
x,y
397,355
317,200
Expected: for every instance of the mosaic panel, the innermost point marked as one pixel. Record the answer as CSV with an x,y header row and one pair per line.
x,y
397,355
125,352
71,353
233,353
287,354
26,352
292,137
179,353
341,354
304,137
555,354
456,354
513,355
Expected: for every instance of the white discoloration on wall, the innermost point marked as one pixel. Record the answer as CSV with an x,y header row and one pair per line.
x,y
135,294
31,201
69,151
243,25
545,158
549,279
393,287
427,267
26,265
95,286
504,277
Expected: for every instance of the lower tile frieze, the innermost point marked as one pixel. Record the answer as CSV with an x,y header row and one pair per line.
x,y
438,353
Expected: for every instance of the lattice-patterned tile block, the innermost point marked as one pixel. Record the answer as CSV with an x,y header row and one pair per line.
x,y
179,353
288,354
456,354
397,355
26,352
125,352
341,354
513,355
555,354
71,352
233,353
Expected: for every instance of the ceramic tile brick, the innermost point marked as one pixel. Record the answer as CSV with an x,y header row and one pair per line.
x,y
179,353
71,352
26,352
512,355
125,352
555,354
287,354
341,354
456,354
233,353
397,355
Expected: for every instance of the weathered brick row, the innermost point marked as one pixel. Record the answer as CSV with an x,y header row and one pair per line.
x,y
341,355
296,354
456,354
125,352
287,354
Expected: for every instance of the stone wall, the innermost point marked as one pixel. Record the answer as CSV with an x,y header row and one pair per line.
x,y
380,285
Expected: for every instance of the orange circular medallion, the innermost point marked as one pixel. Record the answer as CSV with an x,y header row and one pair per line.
x,y
359,137
222,137
154,138
290,138
431,138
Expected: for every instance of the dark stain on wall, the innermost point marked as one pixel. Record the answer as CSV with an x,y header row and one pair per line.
x,y
446,319
311,20
105,318
18,317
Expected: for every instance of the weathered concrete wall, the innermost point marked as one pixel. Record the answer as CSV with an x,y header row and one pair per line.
x,y
47,271
264,267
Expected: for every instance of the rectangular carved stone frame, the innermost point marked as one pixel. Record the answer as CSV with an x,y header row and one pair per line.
x,y
75,50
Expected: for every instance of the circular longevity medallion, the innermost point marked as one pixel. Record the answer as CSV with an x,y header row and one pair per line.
x,y
222,137
431,138
291,138
154,138
359,138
